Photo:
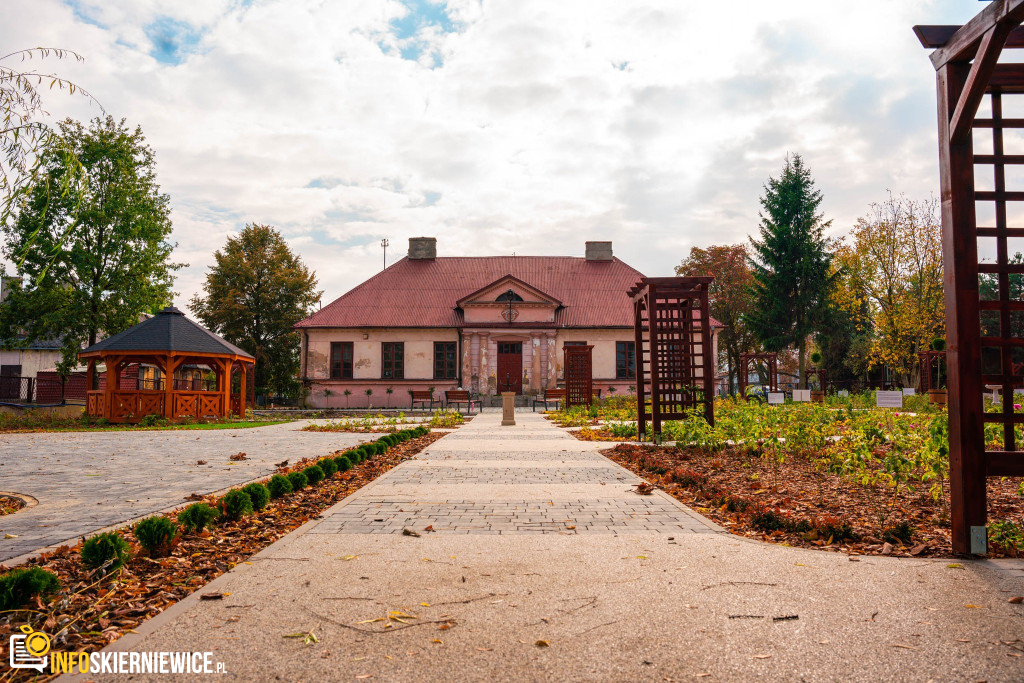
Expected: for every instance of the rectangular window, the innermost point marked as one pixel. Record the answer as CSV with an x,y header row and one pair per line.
x,y
341,360
582,343
625,360
392,364
444,360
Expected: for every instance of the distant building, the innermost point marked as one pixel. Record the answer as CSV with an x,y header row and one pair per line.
x,y
486,324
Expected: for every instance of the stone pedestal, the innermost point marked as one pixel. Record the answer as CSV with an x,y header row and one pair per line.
x,y
508,408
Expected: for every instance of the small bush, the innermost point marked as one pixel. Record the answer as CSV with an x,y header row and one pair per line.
x,y
235,504
105,549
196,517
687,477
343,463
328,466
156,535
314,475
153,420
901,532
279,485
258,494
298,481
768,520
20,585
833,527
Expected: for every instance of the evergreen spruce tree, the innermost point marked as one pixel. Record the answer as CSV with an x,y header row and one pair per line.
x,y
791,264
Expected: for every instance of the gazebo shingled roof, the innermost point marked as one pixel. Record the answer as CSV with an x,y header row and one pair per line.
x,y
168,330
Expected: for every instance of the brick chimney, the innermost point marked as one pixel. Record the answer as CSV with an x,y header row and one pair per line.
x,y
599,251
422,248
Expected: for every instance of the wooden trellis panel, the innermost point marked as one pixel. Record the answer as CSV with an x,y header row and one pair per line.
x,y
578,362
674,350
926,362
982,308
771,362
821,375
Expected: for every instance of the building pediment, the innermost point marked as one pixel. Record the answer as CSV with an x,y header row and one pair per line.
x,y
507,297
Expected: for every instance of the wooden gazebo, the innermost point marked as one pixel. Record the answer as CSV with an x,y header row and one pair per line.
x,y
168,341
771,363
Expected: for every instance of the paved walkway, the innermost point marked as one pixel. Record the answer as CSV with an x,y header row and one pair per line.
x,y
86,481
543,566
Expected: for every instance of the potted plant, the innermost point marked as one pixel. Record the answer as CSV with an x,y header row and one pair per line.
x,y
819,395
937,395
347,392
389,391
369,399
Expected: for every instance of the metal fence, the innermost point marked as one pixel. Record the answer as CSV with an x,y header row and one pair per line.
x,y
29,391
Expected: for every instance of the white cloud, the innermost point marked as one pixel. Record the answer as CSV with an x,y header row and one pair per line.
x,y
525,126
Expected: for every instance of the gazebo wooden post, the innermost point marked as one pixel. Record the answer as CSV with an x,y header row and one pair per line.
x,y
172,367
242,393
90,375
113,379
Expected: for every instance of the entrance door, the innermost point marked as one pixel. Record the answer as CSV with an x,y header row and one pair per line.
x,y
510,367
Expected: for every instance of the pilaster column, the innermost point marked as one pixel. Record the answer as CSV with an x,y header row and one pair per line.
x,y
484,363
467,361
552,360
538,372
528,373
492,365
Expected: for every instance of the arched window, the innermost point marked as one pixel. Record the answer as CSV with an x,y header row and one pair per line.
x,y
509,296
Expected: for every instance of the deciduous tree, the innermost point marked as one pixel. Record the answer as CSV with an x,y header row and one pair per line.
x,y
899,249
104,244
255,292
729,294
791,264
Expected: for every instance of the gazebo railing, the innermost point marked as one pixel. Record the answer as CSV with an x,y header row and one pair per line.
x,y
132,404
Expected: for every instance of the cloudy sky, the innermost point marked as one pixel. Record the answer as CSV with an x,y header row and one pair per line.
x,y
500,126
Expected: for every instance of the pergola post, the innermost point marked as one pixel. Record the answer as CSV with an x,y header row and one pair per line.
x,y
90,375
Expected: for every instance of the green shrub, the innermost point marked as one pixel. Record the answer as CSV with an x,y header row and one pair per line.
x,y
314,474
196,517
258,494
235,504
298,481
105,549
901,532
328,466
279,485
343,463
20,585
156,535
768,520
153,420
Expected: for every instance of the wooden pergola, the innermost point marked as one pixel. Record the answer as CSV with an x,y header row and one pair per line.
x,y
168,341
674,350
771,363
968,71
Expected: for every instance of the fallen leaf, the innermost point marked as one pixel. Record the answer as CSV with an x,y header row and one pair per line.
x,y
409,532
954,565
349,557
485,649
438,641
542,643
424,604
213,596
974,606
1016,600
761,656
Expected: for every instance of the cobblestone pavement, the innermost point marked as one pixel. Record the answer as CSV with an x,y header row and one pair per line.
x,y
548,482
85,481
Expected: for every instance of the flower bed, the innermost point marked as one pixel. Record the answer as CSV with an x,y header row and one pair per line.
x,y
10,504
800,502
91,611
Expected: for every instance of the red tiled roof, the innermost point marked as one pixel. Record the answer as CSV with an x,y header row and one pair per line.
x,y
423,293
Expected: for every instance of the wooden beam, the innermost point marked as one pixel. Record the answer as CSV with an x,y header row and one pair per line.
x,y
977,82
933,37
963,44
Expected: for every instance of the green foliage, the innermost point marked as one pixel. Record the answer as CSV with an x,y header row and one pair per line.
x,y
938,344
791,263
107,550
112,232
328,466
901,532
196,517
314,475
298,481
1007,535
258,494
20,585
156,535
235,504
443,419
153,421
343,463
279,485
254,294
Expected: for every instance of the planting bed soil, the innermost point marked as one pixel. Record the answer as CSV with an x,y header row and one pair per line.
x,y
800,504
90,612
10,504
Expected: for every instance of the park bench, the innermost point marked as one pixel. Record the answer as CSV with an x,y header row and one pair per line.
x,y
424,397
458,398
556,396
